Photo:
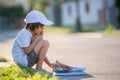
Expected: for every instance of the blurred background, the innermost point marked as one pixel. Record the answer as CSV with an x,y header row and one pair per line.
x,y
86,33
79,15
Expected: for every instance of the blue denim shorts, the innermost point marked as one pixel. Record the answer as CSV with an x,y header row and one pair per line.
x,y
32,58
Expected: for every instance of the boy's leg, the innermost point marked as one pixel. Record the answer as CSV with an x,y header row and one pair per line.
x,y
41,49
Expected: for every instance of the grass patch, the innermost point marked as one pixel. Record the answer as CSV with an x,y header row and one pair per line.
x,y
89,29
55,29
110,28
18,72
3,59
111,31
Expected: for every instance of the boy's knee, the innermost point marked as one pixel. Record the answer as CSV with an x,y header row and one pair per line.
x,y
46,43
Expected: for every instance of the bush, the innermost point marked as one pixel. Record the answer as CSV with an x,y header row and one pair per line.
x,y
89,29
3,59
18,72
14,12
109,29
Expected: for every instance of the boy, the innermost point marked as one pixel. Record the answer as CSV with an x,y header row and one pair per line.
x,y
29,47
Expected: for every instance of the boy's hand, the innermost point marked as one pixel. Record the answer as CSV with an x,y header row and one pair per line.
x,y
38,37
53,66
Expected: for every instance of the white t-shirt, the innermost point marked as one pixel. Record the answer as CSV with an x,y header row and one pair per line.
x,y
23,39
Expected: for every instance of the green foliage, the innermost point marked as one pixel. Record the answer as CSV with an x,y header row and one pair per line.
x,y
117,3
38,4
88,29
18,72
3,59
15,11
109,29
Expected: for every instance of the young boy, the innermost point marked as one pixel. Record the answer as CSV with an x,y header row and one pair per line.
x,y
29,47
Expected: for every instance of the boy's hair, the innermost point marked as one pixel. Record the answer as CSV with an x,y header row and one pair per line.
x,y
33,26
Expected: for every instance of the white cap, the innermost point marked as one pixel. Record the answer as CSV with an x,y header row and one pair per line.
x,y
36,16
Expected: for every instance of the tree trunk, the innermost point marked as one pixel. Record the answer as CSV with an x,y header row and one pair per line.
x,y
78,23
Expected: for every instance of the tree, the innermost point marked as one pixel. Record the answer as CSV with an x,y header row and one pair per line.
x,y
31,4
78,23
118,6
38,5
57,12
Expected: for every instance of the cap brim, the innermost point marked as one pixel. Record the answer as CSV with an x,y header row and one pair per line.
x,y
47,23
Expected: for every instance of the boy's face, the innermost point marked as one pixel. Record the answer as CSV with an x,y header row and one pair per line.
x,y
39,29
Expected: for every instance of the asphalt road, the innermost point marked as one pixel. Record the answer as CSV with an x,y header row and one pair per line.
x,y
100,55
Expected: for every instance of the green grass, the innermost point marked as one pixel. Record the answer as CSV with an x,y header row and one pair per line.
x,y
111,31
110,28
18,72
56,29
3,59
89,29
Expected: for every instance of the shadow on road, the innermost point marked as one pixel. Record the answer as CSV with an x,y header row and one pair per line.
x,y
81,77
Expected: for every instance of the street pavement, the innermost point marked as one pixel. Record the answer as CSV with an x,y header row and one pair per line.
x,y
100,55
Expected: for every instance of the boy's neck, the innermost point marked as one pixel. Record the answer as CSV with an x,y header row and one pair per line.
x,y
31,32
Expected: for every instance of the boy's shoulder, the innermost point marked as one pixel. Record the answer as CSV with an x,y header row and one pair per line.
x,y
24,31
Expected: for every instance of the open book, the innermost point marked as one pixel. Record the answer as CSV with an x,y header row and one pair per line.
x,y
63,69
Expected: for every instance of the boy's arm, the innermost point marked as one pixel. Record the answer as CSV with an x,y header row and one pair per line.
x,y
27,50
